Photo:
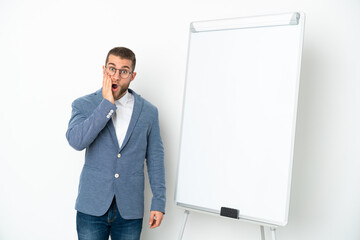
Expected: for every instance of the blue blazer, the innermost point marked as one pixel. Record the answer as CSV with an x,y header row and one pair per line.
x,y
112,170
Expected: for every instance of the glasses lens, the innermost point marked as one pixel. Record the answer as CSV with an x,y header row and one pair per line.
x,y
124,73
111,71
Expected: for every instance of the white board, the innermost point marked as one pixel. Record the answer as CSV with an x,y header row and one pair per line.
x,y
239,116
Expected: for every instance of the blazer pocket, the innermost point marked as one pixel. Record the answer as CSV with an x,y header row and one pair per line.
x,y
138,173
91,168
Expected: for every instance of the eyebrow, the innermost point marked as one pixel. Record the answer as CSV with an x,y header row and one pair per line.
x,y
121,67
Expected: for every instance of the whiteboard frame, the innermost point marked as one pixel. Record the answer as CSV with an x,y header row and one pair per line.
x,y
227,24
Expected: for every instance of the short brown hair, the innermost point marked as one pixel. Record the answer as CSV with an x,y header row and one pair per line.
x,y
123,53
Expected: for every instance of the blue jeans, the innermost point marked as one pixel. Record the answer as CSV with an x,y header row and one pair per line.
x,y
111,223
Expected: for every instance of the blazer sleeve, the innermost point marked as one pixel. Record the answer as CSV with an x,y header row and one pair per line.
x,y
155,166
84,128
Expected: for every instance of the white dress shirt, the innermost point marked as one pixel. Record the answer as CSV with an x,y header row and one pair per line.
x,y
122,116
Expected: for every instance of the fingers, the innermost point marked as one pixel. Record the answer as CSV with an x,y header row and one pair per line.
x,y
155,219
151,220
107,91
106,83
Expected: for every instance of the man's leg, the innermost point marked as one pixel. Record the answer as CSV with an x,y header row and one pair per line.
x,y
92,227
122,229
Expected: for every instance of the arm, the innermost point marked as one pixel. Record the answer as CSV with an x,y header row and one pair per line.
x,y
83,129
156,172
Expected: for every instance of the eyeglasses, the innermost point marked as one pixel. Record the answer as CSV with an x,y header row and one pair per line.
x,y
124,73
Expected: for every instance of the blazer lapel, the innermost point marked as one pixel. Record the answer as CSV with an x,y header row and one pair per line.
x,y
138,104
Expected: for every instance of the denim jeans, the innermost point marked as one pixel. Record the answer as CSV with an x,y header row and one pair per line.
x,y
111,223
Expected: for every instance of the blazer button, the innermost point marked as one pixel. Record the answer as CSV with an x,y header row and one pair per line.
x,y
116,175
119,155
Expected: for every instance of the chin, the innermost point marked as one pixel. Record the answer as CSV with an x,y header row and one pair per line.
x,y
117,95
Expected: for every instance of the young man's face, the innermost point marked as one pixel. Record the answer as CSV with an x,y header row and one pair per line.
x,y
120,85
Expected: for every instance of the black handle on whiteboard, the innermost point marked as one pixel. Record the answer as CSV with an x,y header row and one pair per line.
x,y
229,212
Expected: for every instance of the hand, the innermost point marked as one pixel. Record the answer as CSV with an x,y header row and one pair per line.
x,y
107,88
155,219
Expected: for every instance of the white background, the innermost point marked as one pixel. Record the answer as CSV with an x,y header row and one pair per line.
x,y
52,52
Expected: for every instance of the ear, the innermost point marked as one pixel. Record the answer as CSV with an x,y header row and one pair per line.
x,y
103,69
133,75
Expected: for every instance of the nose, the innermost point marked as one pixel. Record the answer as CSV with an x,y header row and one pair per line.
x,y
117,74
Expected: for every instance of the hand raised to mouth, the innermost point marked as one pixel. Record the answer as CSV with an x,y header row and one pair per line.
x,y
107,88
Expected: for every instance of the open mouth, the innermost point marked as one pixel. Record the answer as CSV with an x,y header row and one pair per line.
x,y
114,87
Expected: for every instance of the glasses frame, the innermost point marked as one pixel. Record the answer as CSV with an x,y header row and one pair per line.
x,y
116,69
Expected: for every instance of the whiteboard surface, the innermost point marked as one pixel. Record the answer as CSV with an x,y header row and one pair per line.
x,y
239,119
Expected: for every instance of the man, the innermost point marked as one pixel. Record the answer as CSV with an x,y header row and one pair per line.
x,y
120,130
